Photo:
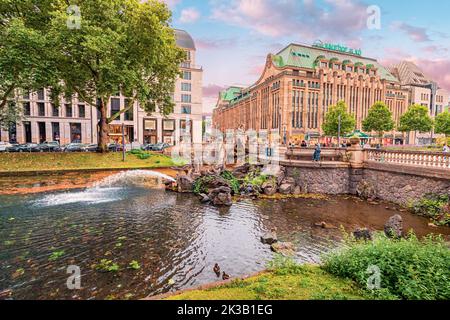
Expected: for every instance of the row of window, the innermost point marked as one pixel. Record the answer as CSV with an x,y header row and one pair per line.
x,y
424,97
55,111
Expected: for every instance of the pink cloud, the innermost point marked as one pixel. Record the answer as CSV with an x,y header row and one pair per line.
x,y
212,90
189,15
416,34
342,18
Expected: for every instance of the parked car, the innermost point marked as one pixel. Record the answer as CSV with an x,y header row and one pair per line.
x,y
4,146
115,147
74,147
50,146
28,147
156,147
91,148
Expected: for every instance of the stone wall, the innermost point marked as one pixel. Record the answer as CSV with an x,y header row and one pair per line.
x,y
402,188
316,179
389,182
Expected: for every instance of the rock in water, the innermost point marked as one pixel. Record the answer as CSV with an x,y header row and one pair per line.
x,y
269,238
204,198
221,196
185,184
5,294
284,248
286,188
394,227
363,234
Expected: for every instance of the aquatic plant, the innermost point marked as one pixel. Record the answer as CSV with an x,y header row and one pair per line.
x,y
106,265
408,268
134,265
56,255
234,182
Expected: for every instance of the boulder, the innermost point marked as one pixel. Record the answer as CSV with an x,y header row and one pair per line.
x,y
324,225
241,171
394,227
5,294
284,248
286,188
269,188
297,190
204,198
281,175
185,183
269,238
221,196
363,234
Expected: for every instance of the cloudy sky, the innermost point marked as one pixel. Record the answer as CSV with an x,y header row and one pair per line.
x,y
233,37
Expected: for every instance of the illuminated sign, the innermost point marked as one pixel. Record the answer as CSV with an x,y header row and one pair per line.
x,y
337,47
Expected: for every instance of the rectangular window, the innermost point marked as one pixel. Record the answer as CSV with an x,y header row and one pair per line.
x,y
150,124
41,94
187,75
55,111
81,111
69,112
186,98
186,109
41,109
26,96
115,106
55,131
186,86
168,125
129,115
26,109
75,133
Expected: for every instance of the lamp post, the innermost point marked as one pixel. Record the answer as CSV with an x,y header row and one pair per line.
x,y
123,142
339,131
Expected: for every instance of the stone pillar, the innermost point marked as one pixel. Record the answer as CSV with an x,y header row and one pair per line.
x,y
356,166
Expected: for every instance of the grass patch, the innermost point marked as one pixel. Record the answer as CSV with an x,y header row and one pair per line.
x,y
13,162
282,282
409,268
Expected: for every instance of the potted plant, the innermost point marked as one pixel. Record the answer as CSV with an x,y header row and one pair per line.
x,y
355,140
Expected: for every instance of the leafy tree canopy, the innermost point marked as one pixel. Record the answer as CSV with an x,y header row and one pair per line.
x,y
379,119
442,123
331,123
416,119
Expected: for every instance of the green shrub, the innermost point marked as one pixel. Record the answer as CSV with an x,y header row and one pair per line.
x,y
200,185
144,156
433,206
136,151
409,268
234,182
283,265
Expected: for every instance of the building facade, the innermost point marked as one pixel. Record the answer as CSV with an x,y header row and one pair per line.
x,y
300,83
423,91
76,121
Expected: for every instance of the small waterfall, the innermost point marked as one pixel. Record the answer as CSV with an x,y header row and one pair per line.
x,y
106,190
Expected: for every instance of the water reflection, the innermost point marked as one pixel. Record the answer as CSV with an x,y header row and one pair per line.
x,y
175,239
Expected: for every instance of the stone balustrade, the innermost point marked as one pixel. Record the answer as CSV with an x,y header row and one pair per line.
x,y
410,158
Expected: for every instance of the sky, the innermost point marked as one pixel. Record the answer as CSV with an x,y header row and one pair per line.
x,y
234,37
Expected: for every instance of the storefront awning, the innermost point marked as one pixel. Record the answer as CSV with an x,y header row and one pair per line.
x,y
358,134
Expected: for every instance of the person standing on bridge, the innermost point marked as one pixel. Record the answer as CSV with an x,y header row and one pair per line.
x,y
317,152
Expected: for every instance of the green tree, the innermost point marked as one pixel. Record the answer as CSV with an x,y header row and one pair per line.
x,y
416,119
24,49
331,123
379,119
442,123
120,45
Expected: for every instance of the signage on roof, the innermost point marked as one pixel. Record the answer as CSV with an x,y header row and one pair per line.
x,y
337,47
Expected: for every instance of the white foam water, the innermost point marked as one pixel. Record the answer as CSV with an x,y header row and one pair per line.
x,y
106,190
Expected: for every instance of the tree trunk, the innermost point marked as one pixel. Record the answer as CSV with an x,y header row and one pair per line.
x,y
103,128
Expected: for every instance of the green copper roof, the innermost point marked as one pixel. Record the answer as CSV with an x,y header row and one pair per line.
x,y
230,93
305,57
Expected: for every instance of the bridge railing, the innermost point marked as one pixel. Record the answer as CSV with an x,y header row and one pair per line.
x,y
413,158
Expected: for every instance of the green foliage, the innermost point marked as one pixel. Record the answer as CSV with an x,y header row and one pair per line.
x,y
234,182
379,119
416,119
282,265
144,156
410,268
433,206
106,265
56,255
442,124
200,185
134,265
331,123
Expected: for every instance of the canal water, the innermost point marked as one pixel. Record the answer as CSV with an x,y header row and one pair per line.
x,y
174,239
